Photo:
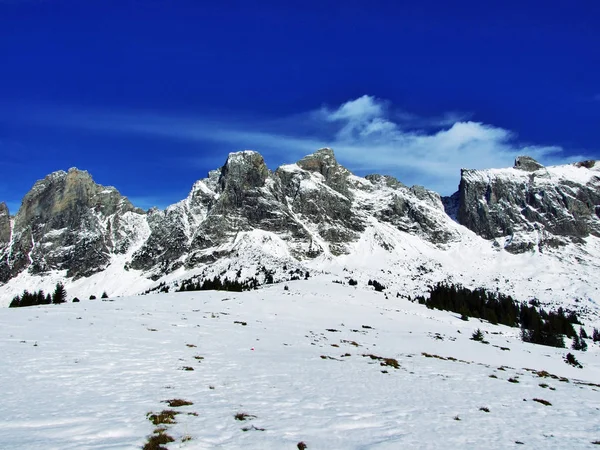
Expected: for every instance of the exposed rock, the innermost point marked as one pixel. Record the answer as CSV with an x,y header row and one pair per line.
x,y
451,205
323,161
68,222
527,163
4,225
534,207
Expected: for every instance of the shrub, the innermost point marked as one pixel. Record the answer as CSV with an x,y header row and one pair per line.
x,y
166,416
92,297
177,402
377,285
243,416
156,440
570,359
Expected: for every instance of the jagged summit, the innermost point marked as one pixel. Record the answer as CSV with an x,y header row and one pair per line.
x,y
67,221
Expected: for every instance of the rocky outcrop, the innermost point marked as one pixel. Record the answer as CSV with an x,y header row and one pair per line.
x,y
5,225
531,205
68,222
314,206
527,163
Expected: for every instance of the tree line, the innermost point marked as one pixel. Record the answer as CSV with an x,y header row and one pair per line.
x,y
216,284
39,298
537,325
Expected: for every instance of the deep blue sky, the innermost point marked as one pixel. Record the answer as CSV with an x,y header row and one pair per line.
x,y
149,95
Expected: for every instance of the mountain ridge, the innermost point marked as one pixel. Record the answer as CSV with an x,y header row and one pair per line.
x,y
244,220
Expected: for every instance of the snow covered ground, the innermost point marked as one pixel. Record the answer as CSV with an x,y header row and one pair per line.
x,y
85,375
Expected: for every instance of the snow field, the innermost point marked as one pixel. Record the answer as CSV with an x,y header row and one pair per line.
x,y
100,366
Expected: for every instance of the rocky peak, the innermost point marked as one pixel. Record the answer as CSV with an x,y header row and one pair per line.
x,y
588,163
323,161
243,170
527,163
384,180
67,221
60,199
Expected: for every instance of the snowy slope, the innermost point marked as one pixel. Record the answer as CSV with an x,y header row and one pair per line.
x,y
85,375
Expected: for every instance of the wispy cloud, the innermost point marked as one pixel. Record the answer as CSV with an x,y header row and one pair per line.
x,y
368,135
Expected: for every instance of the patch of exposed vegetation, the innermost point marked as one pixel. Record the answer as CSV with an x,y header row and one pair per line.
x,y
177,402
166,416
241,416
156,441
391,362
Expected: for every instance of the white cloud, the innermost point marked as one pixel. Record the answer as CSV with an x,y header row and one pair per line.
x,y
369,140
367,134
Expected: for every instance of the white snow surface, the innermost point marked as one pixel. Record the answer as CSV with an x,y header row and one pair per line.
x,y
85,375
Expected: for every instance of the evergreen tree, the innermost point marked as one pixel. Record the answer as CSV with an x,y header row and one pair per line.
x,y
596,335
579,344
16,302
477,335
60,294
104,295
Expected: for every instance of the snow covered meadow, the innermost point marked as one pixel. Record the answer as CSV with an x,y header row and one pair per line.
x,y
329,365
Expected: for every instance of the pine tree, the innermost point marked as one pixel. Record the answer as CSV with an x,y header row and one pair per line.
x,y
60,294
477,335
579,344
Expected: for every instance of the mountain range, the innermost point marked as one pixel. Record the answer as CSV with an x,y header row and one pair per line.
x,y
529,231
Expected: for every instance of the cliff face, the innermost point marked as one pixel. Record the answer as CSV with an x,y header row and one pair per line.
x,y
67,221
5,225
532,206
315,206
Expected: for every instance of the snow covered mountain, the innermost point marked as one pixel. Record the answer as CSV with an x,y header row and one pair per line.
x,y
531,206
528,231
